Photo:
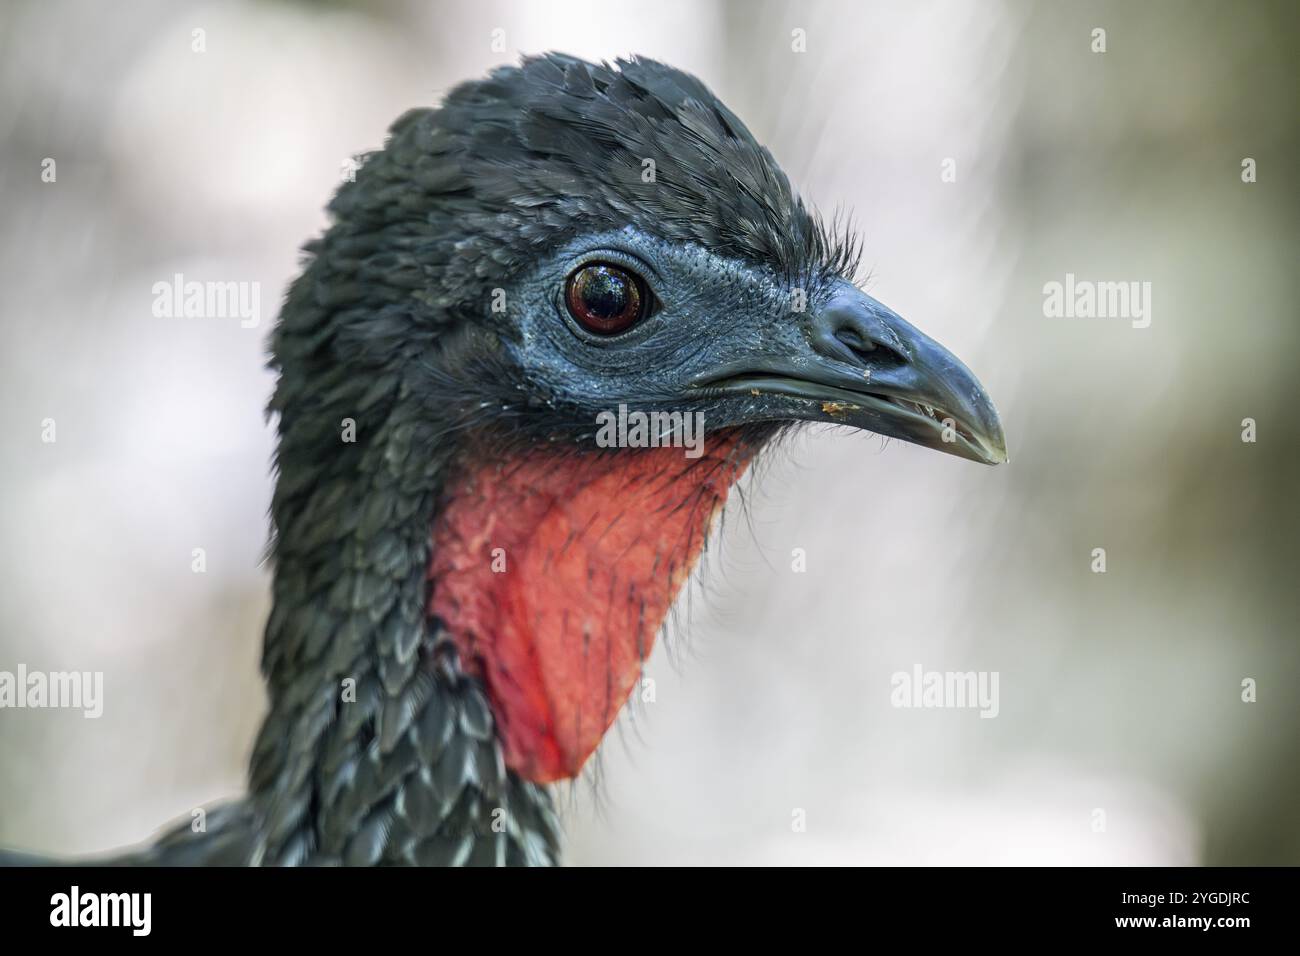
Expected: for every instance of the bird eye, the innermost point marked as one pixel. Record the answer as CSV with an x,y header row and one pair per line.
x,y
606,299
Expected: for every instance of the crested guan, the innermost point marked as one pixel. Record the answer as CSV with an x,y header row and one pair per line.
x,y
467,581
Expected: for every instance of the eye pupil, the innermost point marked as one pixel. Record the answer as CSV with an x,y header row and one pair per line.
x,y
604,293
605,299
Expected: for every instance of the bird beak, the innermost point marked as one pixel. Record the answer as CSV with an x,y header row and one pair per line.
x,y
860,364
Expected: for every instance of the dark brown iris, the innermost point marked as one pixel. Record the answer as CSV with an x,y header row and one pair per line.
x,y
605,299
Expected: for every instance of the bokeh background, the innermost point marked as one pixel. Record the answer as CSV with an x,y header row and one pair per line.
x,y
1119,692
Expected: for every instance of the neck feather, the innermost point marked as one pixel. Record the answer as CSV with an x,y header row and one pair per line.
x,y
377,747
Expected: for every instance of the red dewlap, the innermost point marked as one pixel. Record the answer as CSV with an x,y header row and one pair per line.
x,y
593,549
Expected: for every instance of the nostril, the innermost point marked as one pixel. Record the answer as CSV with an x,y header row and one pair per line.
x,y
866,348
855,329
854,340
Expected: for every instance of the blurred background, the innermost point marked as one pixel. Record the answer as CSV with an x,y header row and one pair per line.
x,y
1120,692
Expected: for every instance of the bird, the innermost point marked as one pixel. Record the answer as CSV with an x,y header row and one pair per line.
x,y
466,581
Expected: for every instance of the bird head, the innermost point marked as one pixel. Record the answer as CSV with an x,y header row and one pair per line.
x,y
515,278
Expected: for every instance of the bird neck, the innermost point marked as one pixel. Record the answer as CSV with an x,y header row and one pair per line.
x,y
452,629
376,747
